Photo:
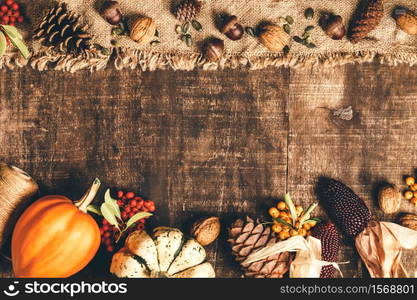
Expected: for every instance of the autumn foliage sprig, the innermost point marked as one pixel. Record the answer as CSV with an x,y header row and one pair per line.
x,y
110,210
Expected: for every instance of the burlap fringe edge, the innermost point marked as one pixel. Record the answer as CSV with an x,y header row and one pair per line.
x,y
150,61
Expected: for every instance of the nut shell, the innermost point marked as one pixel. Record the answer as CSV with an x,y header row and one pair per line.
x,y
143,30
274,37
409,221
407,23
389,199
214,49
206,230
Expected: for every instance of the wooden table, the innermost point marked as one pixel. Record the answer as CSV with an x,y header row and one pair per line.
x,y
224,143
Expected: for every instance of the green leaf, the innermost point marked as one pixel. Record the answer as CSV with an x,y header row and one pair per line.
x,y
317,220
12,31
94,209
283,222
307,213
3,44
112,204
136,218
107,213
16,39
291,206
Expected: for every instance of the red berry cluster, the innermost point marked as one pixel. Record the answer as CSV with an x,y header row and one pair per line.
x,y
10,13
130,205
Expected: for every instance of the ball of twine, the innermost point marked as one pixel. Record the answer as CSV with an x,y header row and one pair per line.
x,y
16,189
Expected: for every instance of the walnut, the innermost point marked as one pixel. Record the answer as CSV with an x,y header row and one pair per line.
x,y
206,230
389,199
273,37
143,30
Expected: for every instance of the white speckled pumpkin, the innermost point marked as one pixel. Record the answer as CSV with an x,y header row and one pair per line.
x,y
166,254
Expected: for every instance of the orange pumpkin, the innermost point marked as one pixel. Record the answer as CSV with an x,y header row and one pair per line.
x,y
55,237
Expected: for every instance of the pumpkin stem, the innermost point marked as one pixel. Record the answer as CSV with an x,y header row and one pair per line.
x,y
89,196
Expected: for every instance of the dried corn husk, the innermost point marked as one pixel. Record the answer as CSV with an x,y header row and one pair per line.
x,y
380,246
16,188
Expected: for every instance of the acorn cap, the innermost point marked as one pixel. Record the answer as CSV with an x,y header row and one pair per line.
x,y
230,22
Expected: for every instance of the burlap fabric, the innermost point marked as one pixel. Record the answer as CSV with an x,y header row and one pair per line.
x,y
386,43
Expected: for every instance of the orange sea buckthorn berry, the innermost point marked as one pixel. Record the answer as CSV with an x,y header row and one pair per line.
x,y
408,195
283,214
302,232
410,180
273,212
306,226
282,235
299,210
293,232
281,205
277,228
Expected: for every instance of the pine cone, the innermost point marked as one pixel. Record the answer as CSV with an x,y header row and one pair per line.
x,y
247,237
368,15
62,30
187,10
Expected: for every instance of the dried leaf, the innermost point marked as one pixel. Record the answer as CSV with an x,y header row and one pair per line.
x,y
307,213
344,113
291,206
16,39
3,44
112,204
94,209
107,213
136,218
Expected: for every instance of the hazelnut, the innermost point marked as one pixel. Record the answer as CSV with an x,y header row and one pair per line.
x,y
232,29
111,12
389,199
273,37
206,230
143,30
214,49
406,20
333,26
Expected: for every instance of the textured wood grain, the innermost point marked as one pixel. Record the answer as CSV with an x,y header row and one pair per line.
x,y
226,143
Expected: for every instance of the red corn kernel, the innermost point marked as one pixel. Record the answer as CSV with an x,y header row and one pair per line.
x,y
137,198
131,214
11,24
20,19
107,234
128,209
4,8
120,202
139,204
107,241
101,231
130,195
110,248
15,6
152,208
133,203
145,209
135,209
142,221
12,19
124,215
120,194
105,221
9,2
105,227
5,19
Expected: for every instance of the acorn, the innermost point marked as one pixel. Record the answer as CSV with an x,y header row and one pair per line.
x,y
214,49
405,20
333,26
232,29
111,12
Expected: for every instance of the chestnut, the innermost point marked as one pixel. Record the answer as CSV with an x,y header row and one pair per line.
x,y
333,26
111,12
232,29
214,49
